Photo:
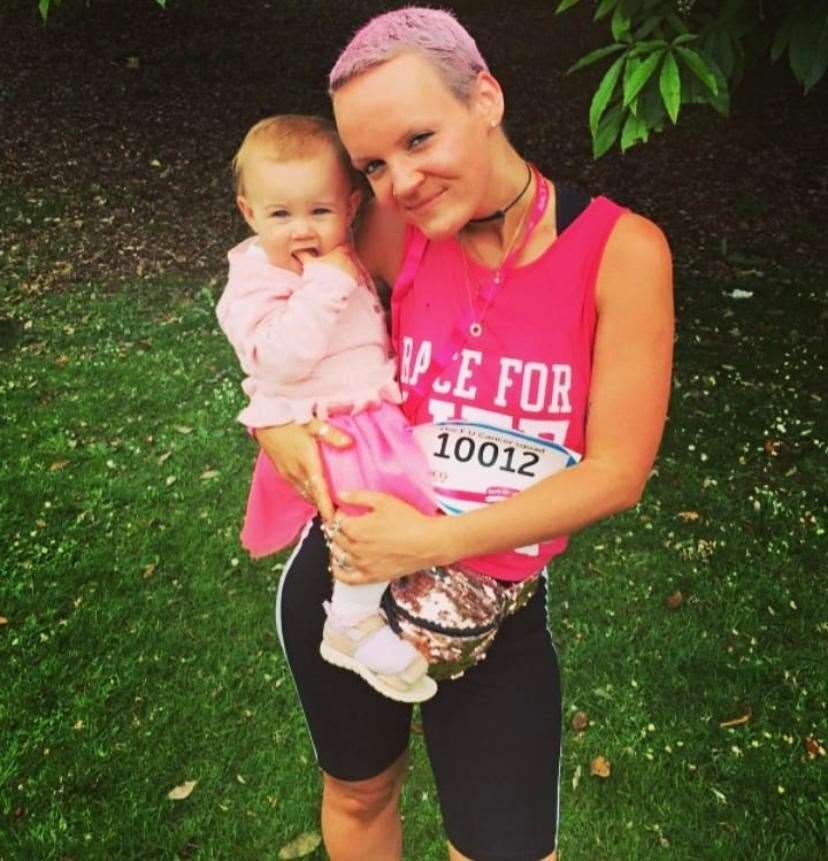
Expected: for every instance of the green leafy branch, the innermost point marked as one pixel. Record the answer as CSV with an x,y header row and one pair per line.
x,y
45,6
676,52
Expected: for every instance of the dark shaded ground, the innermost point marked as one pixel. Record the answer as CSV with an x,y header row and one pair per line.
x,y
129,165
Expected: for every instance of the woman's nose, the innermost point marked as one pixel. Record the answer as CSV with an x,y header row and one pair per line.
x,y
404,181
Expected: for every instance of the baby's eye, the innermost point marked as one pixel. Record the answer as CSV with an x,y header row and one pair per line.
x,y
279,213
321,210
415,140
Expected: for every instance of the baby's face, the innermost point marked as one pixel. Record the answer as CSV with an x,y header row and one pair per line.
x,y
300,205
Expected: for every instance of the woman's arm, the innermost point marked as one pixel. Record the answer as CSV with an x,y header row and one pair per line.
x,y
294,451
380,241
629,392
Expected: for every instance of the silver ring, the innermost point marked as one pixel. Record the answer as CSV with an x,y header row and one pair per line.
x,y
343,562
331,529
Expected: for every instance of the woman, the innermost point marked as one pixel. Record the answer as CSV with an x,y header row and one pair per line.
x,y
566,332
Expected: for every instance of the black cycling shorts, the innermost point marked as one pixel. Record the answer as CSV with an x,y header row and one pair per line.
x,y
493,736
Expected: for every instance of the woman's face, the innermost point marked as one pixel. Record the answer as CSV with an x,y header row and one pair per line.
x,y
420,148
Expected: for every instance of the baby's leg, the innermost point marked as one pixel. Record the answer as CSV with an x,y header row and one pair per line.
x,y
357,637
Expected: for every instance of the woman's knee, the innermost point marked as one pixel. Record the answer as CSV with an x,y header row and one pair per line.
x,y
365,799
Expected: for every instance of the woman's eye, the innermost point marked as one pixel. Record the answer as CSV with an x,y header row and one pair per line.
x,y
416,140
372,167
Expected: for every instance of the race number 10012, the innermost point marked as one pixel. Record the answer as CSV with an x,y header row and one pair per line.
x,y
488,454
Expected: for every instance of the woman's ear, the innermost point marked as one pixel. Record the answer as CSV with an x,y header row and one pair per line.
x,y
246,210
487,99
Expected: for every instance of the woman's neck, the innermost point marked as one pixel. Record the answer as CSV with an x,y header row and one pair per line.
x,y
508,178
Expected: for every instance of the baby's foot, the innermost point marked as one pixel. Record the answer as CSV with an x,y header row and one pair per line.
x,y
364,643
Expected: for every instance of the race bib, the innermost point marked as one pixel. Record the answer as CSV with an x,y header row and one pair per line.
x,y
475,464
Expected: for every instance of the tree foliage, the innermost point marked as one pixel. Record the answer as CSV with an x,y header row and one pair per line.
x,y
668,53
44,6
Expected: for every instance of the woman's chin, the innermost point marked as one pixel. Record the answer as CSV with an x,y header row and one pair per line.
x,y
439,227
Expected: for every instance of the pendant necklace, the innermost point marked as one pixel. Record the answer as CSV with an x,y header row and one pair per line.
x,y
510,255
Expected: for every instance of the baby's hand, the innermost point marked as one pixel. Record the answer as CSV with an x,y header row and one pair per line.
x,y
343,257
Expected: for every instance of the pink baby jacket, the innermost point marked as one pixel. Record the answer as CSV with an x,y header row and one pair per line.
x,y
317,345
302,340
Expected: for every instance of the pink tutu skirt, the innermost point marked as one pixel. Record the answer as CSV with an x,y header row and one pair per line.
x,y
384,458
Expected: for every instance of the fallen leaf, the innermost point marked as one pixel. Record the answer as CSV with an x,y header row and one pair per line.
x,y
675,600
742,719
600,767
302,845
171,479
580,721
813,747
740,294
163,457
58,464
576,777
149,570
772,447
241,780
183,429
4,620
688,516
179,793
209,473
62,360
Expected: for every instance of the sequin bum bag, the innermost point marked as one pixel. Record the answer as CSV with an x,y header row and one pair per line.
x,y
451,616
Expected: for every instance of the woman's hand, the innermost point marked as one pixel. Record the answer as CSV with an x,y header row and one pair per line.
x,y
294,451
391,540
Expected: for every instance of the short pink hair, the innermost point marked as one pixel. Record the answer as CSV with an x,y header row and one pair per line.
x,y
434,34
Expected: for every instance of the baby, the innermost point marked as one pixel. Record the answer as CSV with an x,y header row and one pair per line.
x,y
309,331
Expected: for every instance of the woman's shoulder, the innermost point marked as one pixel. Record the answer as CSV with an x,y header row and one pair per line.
x,y
636,237
636,258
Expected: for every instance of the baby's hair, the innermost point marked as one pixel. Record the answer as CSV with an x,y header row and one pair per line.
x,y
290,136
434,34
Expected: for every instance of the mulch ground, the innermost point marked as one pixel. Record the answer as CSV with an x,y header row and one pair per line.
x,y
119,120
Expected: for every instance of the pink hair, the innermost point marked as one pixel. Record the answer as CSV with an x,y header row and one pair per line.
x,y
434,34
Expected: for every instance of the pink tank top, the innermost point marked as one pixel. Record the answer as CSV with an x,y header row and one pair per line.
x,y
530,367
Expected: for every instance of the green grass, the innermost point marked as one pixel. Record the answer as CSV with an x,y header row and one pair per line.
x,y
140,650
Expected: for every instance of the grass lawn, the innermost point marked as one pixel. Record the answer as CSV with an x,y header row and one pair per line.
x,y
137,640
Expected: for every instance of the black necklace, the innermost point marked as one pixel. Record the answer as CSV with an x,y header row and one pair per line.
x,y
500,213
